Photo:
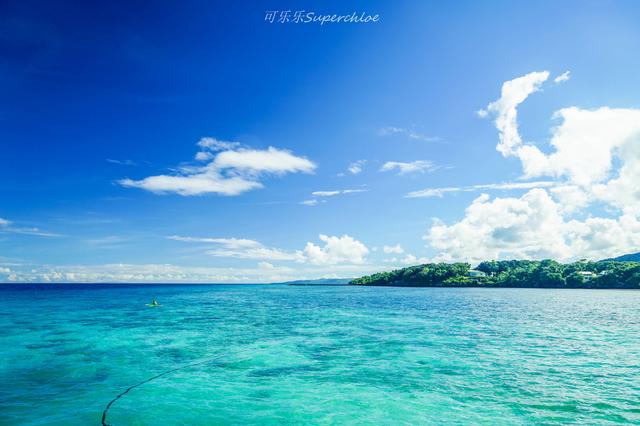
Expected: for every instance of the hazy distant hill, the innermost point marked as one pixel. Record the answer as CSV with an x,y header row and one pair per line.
x,y
632,257
322,281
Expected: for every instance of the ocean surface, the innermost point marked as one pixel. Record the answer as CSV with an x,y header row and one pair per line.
x,y
285,355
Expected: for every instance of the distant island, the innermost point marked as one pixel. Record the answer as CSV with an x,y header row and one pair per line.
x,y
606,274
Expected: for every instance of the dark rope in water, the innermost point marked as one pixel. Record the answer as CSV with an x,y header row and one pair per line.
x,y
194,364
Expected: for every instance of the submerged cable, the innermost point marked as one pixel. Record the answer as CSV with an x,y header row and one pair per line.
x,y
194,364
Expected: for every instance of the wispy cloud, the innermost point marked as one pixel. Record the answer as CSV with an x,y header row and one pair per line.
x,y
439,192
409,132
7,227
335,250
356,167
122,162
312,202
241,248
337,192
562,77
231,170
418,166
326,194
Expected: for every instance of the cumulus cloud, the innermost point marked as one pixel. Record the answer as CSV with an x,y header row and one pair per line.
x,y
514,92
531,227
586,143
231,170
344,249
418,166
596,151
336,250
595,157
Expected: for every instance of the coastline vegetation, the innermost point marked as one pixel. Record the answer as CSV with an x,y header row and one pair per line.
x,y
512,273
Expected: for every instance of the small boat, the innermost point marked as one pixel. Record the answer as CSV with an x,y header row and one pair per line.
x,y
154,304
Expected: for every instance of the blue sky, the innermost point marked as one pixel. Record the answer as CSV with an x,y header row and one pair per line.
x,y
104,107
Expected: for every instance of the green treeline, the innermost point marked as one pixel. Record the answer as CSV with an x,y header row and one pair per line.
x,y
512,273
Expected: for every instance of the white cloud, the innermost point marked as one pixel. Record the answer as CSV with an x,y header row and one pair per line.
x,y
193,184
531,227
597,151
234,243
325,193
562,77
418,166
271,160
337,192
146,273
439,192
7,227
336,250
514,92
432,192
257,253
393,249
596,155
338,257
356,167
169,273
343,249
242,248
312,202
231,170
203,156
570,197
214,144
266,265
411,133
122,162
408,259
586,143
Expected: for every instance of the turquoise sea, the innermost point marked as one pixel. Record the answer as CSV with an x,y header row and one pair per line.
x,y
279,355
